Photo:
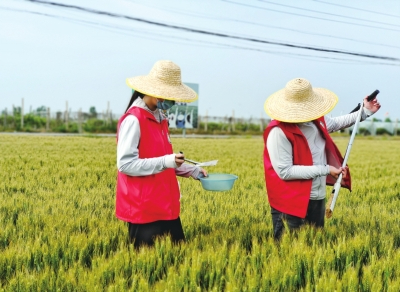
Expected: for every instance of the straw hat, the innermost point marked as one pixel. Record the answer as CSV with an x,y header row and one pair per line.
x,y
298,102
163,81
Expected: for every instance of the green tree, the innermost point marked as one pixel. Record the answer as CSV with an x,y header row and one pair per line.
x,y
17,110
41,109
92,112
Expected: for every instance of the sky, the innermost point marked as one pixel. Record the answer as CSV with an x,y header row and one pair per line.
x,y
239,52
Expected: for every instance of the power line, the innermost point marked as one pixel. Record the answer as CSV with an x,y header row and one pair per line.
x,y
224,35
130,31
219,45
359,9
182,12
308,16
326,13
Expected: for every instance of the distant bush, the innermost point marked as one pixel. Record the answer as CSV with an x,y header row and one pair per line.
x,y
72,128
364,131
33,121
213,127
383,131
99,126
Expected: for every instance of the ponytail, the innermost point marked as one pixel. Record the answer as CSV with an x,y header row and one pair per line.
x,y
135,95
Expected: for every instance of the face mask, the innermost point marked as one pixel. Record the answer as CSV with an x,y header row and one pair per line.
x,y
165,104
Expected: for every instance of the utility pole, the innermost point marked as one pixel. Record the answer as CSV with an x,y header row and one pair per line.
x,y
66,115
205,125
233,120
108,113
184,123
261,123
48,120
80,120
13,117
22,114
5,117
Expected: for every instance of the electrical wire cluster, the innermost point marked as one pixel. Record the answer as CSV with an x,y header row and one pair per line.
x,y
218,39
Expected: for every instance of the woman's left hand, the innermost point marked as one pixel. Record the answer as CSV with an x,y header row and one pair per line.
x,y
373,105
203,171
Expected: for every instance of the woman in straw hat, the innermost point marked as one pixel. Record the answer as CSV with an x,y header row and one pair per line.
x,y
300,157
147,188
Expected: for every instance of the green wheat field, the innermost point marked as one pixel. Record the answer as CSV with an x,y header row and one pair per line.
x,y
58,230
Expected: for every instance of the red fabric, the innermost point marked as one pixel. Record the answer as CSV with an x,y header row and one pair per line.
x,y
144,199
292,196
333,155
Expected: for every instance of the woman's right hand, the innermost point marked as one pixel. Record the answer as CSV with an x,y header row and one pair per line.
x,y
179,159
335,172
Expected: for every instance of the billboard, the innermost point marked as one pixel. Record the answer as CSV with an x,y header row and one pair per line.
x,y
184,115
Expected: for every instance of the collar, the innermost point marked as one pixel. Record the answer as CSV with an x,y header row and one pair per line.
x,y
158,114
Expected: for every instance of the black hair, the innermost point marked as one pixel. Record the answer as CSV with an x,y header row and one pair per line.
x,y
135,95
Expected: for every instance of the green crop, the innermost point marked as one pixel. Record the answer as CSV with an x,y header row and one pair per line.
x,y
59,233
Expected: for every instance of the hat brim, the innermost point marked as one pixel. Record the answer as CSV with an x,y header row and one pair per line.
x,y
156,88
319,104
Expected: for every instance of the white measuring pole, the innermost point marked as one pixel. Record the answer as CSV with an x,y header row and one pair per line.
x,y
338,184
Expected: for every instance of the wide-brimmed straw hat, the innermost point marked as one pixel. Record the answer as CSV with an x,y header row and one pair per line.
x,y
163,81
299,102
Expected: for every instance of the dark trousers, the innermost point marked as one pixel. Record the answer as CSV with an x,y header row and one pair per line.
x,y
145,234
315,216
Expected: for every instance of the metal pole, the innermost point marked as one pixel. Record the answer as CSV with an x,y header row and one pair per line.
x,y
184,124
66,115
206,121
79,120
336,187
108,113
22,114
13,117
261,123
233,121
48,119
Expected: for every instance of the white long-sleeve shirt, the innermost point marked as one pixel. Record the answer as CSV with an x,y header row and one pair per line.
x,y
281,152
128,161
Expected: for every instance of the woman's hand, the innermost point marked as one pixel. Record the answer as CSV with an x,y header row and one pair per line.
x,y
373,105
179,159
335,172
203,171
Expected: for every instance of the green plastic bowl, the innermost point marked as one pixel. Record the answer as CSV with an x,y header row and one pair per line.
x,y
218,182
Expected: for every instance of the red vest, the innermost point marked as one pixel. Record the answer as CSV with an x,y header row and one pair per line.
x,y
144,199
292,196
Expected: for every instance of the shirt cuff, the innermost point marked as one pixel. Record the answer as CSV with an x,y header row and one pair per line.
x,y
327,170
195,173
169,161
367,112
